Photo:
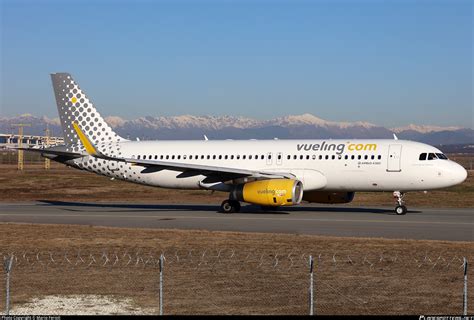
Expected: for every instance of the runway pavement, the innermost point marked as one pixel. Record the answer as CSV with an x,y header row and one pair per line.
x,y
432,224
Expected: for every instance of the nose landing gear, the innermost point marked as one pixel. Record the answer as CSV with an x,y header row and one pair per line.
x,y
400,209
230,206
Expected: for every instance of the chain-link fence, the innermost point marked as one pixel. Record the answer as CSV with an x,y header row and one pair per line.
x,y
225,281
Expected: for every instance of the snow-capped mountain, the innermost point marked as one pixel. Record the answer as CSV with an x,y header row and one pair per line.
x,y
424,128
232,127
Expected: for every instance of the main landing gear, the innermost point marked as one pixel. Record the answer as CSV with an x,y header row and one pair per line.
x,y
400,209
230,206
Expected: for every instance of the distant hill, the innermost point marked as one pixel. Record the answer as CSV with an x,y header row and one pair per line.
x,y
306,126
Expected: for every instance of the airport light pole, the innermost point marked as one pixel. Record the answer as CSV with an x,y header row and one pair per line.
x,y
20,143
47,161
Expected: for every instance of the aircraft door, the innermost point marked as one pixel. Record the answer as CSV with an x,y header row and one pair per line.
x,y
269,158
279,159
394,158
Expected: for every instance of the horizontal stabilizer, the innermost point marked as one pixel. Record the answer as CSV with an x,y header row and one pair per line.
x,y
49,151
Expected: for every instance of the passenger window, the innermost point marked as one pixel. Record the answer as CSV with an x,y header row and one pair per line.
x,y
353,157
232,157
250,157
179,157
161,157
172,157
295,156
307,157
220,157
320,157
333,157
366,157
156,157
372,157
208,157
339,157
190,157
226,157
314,157
379,157
288,157
138,157
244,156
238,157
327,157
359,157
278,157
346,157
422,156
214,157
263,157
432,156
167,157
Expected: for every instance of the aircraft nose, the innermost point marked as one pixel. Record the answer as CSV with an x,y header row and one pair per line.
x,y
459,174
456,173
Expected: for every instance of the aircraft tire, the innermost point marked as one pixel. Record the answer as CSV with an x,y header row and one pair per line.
x,y
230,206
401,210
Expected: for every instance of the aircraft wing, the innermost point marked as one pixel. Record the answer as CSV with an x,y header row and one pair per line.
x,y
212,173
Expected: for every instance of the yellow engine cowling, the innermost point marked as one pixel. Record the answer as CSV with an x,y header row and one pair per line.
x,y
270,192
328,197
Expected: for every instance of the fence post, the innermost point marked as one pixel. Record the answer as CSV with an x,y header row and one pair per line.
x,y
464,300
8,268
161,284
311,292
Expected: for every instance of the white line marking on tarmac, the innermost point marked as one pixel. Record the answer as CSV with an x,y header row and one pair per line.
x,y
234,217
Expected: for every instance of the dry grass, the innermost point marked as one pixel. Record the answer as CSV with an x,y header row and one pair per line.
x,y
401,286
66,184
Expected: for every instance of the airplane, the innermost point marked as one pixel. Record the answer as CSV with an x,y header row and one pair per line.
x,y
270,173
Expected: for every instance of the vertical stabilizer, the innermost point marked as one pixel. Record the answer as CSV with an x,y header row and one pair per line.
x,y
75,107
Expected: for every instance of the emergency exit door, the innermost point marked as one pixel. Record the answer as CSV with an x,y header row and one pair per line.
x,y
394,160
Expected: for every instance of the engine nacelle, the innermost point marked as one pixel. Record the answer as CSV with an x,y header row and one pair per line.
x,y
270,192
328,197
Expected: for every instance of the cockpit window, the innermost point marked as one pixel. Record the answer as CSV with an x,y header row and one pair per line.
x,y
423,156
432,156
442,156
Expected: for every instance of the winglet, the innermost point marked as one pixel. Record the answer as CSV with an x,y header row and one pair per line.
x,y
395,136
90,148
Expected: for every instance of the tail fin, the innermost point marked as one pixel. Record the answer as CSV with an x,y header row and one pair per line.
x,y
75,107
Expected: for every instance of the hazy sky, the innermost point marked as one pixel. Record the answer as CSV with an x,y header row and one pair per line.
x,y
387,62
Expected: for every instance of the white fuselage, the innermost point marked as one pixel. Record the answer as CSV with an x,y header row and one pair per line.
x,y
329,165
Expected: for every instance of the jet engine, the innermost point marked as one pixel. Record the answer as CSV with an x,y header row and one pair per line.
x,y
270,192
328,197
